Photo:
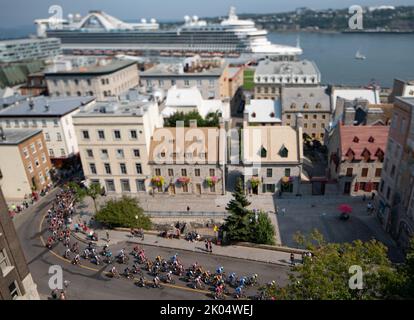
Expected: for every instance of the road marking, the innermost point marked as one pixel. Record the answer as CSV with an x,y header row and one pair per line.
x,y
108,273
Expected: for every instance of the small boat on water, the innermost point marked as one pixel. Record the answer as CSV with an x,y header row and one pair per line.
x,y
359,56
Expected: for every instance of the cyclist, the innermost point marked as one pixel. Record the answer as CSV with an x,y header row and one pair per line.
x,y
220,270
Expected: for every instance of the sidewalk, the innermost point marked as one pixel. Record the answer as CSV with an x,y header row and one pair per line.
x,y
233,251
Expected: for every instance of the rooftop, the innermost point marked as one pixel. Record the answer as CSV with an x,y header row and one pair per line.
x,y
45,107
273,139
407,100
357,139
164,69
96,69
311,96
17,136
264,111
371,95
115,108
304,67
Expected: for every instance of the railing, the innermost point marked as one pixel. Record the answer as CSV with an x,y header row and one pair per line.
x,y
186,213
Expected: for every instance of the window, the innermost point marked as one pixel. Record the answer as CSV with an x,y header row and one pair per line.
x,y
44,123
92,168
284,152
125,185
287,172
138,167
123,168
185,188
184,172
44,158
349,172
171,172
51,153
89,153
104,154
364,172
26,153
55,123
107,168
158,172
117,134
59,137
33,148
4,261
315,116
140,185
14,290
110,185
197,172
62,152
120,154
25,123
186,83
8,124
136,153
101,135
378,172
269,172
39,145
133,134
85,134
30,168
212,172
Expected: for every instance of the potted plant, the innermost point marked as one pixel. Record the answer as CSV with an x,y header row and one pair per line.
x,y
183,180
157,181
255,181
211,181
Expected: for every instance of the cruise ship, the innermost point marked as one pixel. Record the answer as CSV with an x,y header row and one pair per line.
x,y
100,33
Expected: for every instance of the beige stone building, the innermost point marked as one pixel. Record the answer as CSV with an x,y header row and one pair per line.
x,y
24,163
102,80
272,157
114,141
356,156
211,77
271,76
188,161
313,104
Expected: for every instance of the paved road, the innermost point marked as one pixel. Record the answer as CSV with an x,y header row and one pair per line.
x,y
91,282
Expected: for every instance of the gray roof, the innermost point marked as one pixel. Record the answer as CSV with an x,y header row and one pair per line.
x,y
58,107
111,67
17,136
312,96
305,67
407,100
114,109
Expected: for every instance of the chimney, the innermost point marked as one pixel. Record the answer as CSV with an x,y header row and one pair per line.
x,y
193,123
2,135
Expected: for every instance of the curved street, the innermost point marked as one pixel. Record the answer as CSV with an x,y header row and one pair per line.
x,y
90,281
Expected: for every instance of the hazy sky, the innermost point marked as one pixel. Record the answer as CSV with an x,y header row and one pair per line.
x,y
15,13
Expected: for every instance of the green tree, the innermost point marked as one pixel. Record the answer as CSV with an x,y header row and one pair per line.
x,y
237,224
211,119
326,275
93,191
263,230
125,212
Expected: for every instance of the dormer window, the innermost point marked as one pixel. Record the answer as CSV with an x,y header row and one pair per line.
x,y
371,139
284,152
318,106
306,106
350,154
293,106
263,152
254,115
272,115
356,139
380,155
366,155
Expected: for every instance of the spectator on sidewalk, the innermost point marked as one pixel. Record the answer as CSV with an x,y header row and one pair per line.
x,y
210,246
207,246
107,236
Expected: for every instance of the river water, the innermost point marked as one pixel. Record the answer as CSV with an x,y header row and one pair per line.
x,y
388,56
